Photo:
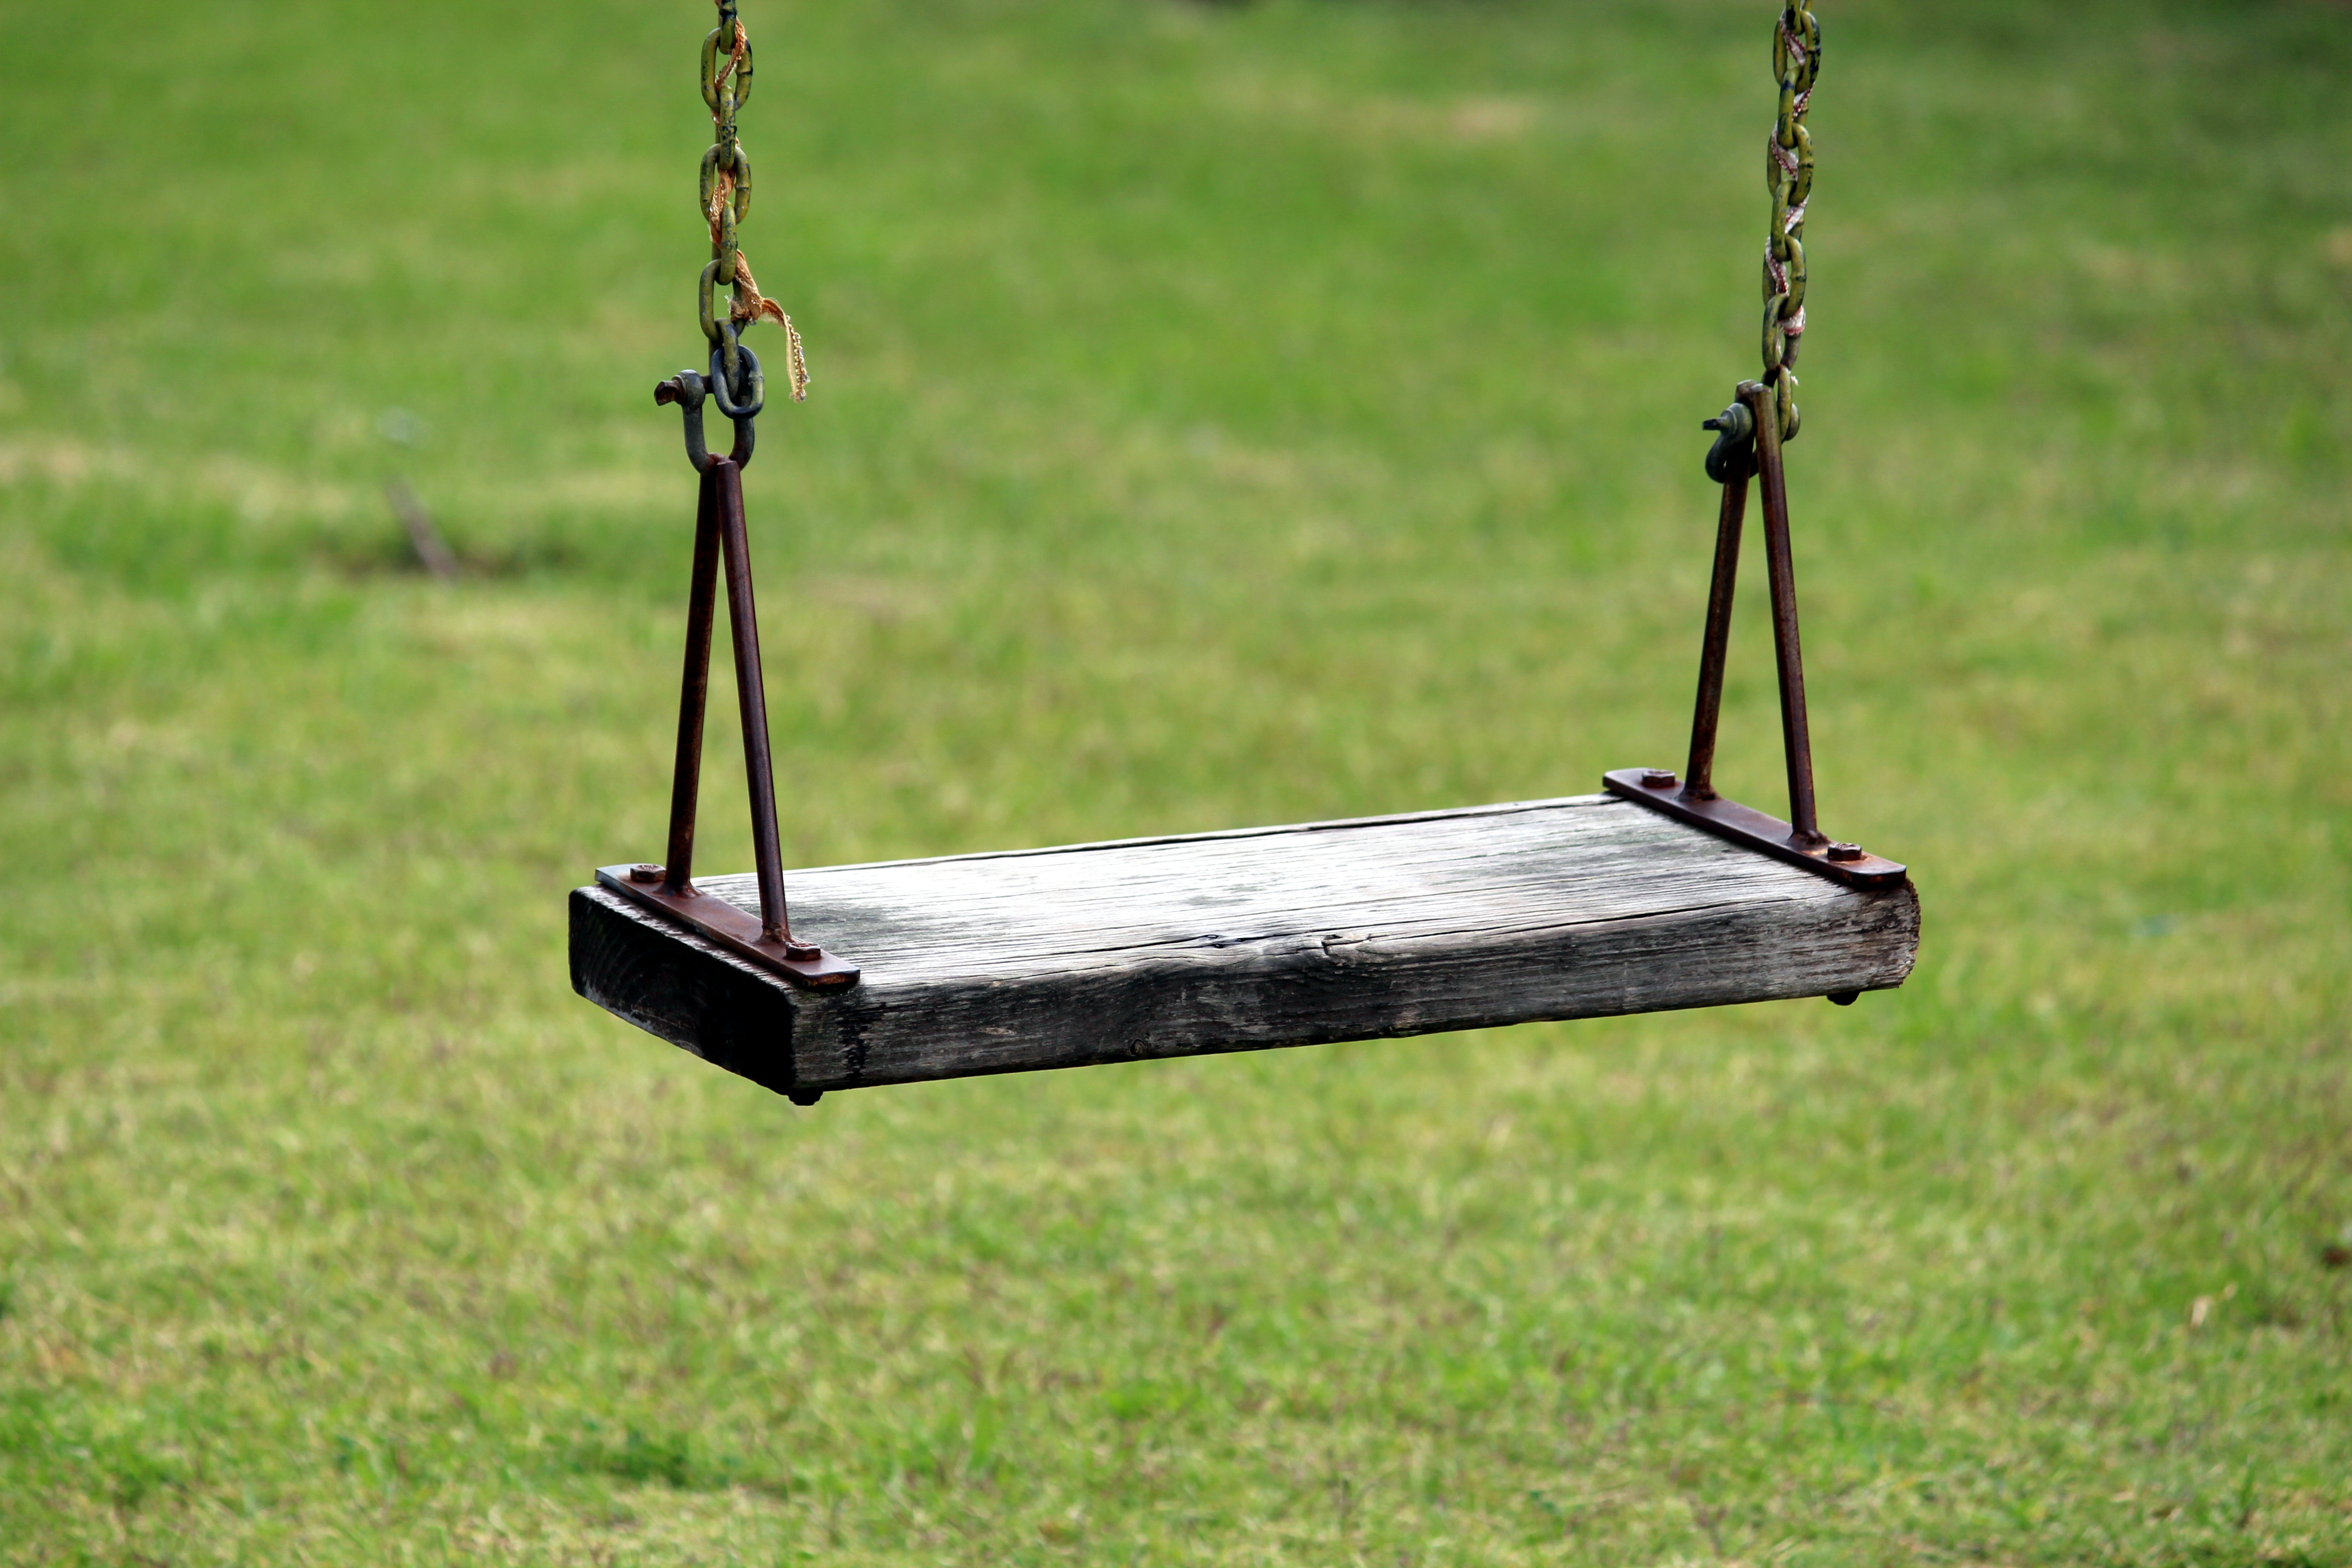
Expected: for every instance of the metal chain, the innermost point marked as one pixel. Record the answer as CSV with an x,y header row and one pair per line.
x,y
1789,175
725,198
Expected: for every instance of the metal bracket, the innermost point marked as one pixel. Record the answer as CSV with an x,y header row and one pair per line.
x,y
720,539
739,932
1751,829
1749,444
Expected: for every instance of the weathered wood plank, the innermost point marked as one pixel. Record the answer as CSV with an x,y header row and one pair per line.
x,y
1583,907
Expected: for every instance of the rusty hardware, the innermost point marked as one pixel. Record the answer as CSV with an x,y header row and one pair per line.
x,y
1746,447
1780,579
1753,829
724,198
1788,177
688,390
1800,840
717,920
1748,437
1735,445
722,549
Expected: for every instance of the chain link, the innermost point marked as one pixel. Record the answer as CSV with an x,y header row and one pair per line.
x,y
725,198
1789,175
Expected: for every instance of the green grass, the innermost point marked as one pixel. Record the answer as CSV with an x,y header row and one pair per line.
x,y
1222,416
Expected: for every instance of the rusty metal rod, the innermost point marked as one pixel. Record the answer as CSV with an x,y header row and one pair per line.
x,y
1698,778
743,626
1796,735
694,689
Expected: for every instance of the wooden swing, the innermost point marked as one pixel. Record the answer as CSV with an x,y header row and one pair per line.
x,y
1657,894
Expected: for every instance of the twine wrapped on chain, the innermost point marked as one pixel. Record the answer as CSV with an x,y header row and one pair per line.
x,y
726,197
1789,175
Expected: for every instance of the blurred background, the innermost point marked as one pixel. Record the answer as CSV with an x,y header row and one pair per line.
x,y
1222,414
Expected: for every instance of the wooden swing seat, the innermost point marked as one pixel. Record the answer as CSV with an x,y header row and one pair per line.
x,y
1583,907
1660,894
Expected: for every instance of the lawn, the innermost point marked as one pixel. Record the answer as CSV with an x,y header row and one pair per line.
x,y
1222,414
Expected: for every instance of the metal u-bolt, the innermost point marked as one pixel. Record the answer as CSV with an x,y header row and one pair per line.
x,y
1732,463
1781,571
694,690
743,627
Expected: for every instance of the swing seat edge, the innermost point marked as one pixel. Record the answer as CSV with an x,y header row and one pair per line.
x,y
1309,933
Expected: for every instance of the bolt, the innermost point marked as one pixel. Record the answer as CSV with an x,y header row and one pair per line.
x,y
645,873
1658,778
800,952
1844,998
803,1096
1846,851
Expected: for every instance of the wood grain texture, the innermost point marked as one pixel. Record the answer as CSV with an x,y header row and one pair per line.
x,y
1578,908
